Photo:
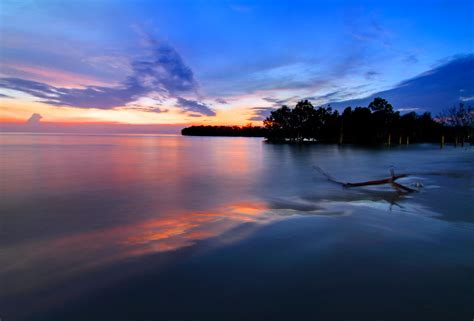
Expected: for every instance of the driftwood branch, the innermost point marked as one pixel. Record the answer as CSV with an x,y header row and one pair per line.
x,y
390,180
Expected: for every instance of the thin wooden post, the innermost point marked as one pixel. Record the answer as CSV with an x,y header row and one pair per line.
x,y
389,139
442,141
408,140
400,140
341,134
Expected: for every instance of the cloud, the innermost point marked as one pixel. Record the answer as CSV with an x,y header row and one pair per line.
x,y
270,99
371,32
405,110
299,71
312,73
34,119
340,94
162,70
433,90
221,101
150,109
260,113
165,71
444,85
411,59
314,69
194,106
157,110
328,96
88,97
4,96
277,102
369,75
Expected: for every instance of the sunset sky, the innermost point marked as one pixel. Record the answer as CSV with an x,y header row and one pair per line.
x,y
226,62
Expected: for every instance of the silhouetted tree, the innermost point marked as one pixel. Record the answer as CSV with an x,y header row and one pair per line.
x,y
278,124
380,104
377,123
303,121
460,120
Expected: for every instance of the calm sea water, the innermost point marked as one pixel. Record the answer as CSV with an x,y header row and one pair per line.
x,y
207,228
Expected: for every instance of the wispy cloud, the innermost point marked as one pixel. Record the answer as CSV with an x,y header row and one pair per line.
x,y
150,109
221,101
373,31
339,94
194,106
329,96
433,90
194,115
278,102
407,110
371,74
162,71
88,97
260,113
411,58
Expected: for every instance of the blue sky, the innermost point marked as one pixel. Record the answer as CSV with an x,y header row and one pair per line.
x,y
217,61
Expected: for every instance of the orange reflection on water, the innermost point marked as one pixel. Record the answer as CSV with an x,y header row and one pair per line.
x,y
186,228
49,261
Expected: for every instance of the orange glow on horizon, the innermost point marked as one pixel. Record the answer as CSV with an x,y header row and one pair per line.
x,y
19,109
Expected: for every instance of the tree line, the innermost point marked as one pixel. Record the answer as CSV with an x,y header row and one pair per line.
x,y
244,131
377,123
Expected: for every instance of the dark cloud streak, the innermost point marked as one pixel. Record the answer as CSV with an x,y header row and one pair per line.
x,y
221,101
194,106
434,90
260,113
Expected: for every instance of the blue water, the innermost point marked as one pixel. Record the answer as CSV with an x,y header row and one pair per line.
x,y
116,227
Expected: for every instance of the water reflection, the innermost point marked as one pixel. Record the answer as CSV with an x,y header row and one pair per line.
x,y
58,258
71,205
185,229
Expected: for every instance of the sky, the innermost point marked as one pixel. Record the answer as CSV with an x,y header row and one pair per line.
x,y
170,64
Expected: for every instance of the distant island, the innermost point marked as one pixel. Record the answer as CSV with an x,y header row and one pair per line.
x,y
242,131
377,123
